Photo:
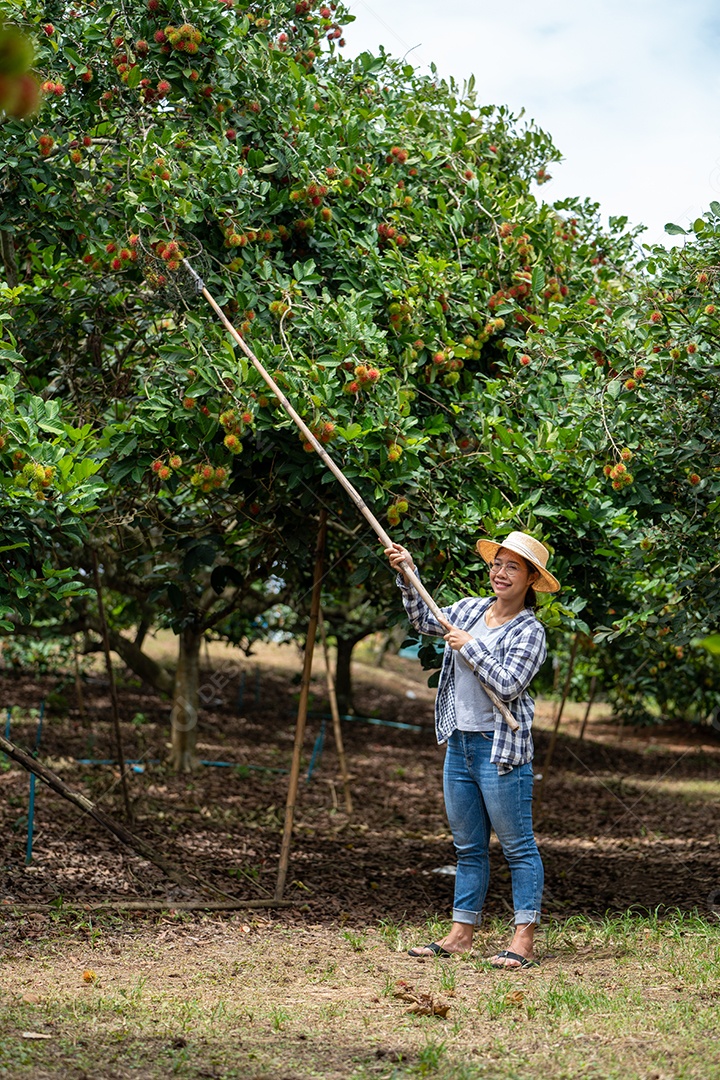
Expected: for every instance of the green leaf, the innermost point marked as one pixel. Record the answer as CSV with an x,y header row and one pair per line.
x,y
74,57
175,596
359,575
85,468
350,433
674,230
711,644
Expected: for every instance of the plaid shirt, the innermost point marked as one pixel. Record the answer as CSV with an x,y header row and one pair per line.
x,y
519,650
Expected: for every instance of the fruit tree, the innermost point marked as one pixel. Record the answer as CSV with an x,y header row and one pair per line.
x,y
477,360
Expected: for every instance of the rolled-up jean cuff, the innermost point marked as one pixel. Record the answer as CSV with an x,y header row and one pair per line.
x,y
522,918
472,918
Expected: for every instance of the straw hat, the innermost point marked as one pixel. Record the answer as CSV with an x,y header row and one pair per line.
x,y
530,549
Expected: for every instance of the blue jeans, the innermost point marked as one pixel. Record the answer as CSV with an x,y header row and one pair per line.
x,y
478,798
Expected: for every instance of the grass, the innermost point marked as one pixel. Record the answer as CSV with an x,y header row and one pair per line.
x,y
355,941
627,997
689,789
430,1058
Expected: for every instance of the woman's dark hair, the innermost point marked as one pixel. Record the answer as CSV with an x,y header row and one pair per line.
x,y
530,597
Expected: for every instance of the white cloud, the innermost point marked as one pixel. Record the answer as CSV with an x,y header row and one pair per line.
x,y
627,90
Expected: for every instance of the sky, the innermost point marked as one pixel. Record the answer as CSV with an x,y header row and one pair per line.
x,y
627,90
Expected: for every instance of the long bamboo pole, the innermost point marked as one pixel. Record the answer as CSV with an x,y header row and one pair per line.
x,y
302,707
407,571
335,713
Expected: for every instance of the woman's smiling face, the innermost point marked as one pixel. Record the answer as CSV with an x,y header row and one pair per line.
x,y
510,577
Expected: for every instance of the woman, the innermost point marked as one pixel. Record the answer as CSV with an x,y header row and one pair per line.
x,y
488,775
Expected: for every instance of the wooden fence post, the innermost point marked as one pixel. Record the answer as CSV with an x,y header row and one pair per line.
x,y
302,706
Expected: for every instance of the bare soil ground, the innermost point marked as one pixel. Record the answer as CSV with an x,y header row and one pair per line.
x,y
224,999
628,820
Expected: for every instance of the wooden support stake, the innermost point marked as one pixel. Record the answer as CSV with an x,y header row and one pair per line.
x,y
335,712
113,689
79,696
302,706
591,698
558,717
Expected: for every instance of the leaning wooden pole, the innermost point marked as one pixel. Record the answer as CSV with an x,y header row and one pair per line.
x,y
407,570
302,706
8,908
558,718
335,713
54,782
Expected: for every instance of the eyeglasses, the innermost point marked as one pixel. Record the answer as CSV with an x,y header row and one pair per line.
x,y
510,568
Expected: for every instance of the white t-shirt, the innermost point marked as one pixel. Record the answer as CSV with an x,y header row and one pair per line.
x,y
473,708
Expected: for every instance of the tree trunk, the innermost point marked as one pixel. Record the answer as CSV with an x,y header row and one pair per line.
x,y
343,674
184,715
7,252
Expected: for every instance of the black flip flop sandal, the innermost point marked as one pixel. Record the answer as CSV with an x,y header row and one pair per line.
x,y
523,961
435,949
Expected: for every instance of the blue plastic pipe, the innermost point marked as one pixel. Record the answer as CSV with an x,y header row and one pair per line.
x,y
31,802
